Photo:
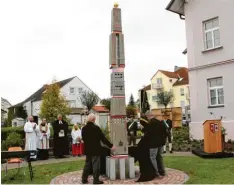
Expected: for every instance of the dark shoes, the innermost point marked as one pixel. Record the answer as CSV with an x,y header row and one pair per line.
x,y
171,152
85,182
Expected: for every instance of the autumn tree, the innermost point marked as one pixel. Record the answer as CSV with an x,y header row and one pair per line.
x,y
89,99
53,103
106,102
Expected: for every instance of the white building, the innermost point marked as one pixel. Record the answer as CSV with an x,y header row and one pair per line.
x,y
210,52
71,88
5,104
102,115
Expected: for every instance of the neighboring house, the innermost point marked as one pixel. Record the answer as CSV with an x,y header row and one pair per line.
x,y
16,122
210,53
71,88
5,104
102,115
175,82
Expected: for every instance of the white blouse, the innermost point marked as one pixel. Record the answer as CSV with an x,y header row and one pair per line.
x,y
75,135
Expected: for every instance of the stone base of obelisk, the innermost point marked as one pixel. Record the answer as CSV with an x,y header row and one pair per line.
x,y
120,167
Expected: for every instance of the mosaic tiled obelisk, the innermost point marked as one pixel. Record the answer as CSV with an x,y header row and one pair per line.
x,y
117,64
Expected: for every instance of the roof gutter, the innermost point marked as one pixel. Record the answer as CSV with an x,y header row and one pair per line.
x,y
182,17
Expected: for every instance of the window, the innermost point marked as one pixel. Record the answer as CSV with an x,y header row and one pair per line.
x,y
72,90
181,91
211,34
159,80
80,89
72,103
182,104
216,93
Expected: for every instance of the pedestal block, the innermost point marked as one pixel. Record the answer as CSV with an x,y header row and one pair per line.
x,y
120,167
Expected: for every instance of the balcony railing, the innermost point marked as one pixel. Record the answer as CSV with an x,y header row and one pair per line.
x,y
157,86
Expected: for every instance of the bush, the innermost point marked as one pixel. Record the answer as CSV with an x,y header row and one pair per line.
x,y
106,132
7,130
12,140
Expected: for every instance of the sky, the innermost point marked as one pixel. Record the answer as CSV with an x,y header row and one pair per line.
x,y
40,40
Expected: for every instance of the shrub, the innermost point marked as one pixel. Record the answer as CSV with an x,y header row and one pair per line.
x,y
12,140
7,130
106,132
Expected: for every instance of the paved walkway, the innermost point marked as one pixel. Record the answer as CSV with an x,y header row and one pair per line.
x,y
173,177
53,160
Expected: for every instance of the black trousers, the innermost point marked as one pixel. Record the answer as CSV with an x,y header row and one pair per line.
x,y
92,163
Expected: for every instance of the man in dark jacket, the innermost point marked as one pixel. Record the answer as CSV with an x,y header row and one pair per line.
x,y
92,137
156,133
169,137
61,144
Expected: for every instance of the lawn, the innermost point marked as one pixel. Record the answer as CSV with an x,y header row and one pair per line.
x,y
200,171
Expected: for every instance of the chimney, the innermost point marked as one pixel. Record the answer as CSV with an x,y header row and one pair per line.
x,y
176,68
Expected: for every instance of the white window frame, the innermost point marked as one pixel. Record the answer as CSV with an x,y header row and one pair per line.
x,y
182,92
72,103
212,34
159,80
183,107
216,92
73,90
78,90
154,99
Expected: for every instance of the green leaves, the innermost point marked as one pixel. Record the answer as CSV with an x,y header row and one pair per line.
x,y
106,102
164,98
53,103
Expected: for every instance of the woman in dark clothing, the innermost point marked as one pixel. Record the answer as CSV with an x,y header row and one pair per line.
x,y
141,154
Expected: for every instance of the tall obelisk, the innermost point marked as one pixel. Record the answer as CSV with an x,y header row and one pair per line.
x,y
117,64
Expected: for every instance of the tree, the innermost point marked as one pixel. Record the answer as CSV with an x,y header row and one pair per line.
x,y
164,98
144,104
131,101
131,111
89,99
106,102
20,112
53,103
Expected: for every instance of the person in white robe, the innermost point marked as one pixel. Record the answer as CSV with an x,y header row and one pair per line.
x,y
30,129
43,140
76,141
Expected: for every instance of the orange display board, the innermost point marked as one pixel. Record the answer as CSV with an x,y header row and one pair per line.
x,y
212,136
175,114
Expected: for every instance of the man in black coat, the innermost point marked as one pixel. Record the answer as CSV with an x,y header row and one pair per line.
x,y
156,133
61,144
92,137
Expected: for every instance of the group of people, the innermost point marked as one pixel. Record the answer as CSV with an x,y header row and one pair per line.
x,y
38,138
91,141
150,148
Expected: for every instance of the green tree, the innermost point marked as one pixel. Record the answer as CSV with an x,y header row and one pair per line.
x,y
106,102
53,103
164,98
131,111
20,112
144,104
131,101
89,99
10,116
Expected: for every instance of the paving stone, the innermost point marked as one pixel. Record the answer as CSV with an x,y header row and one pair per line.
x,y
173,177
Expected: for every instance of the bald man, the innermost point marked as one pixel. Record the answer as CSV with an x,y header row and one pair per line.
x,y
92,137
31,136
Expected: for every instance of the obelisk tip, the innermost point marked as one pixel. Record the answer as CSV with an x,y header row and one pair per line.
x,y
116,5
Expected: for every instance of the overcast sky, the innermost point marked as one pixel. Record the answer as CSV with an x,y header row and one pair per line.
x,y
65,38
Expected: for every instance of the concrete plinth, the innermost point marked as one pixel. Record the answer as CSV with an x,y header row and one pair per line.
x,y
120,167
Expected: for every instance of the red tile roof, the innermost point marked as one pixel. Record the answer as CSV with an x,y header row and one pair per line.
x,y
182,73
99,108
146,88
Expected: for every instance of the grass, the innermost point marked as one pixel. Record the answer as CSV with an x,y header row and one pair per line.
x,y
200,171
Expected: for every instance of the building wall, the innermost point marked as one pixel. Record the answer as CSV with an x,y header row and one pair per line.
x,y
178,97
76,83
198,11
195,13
